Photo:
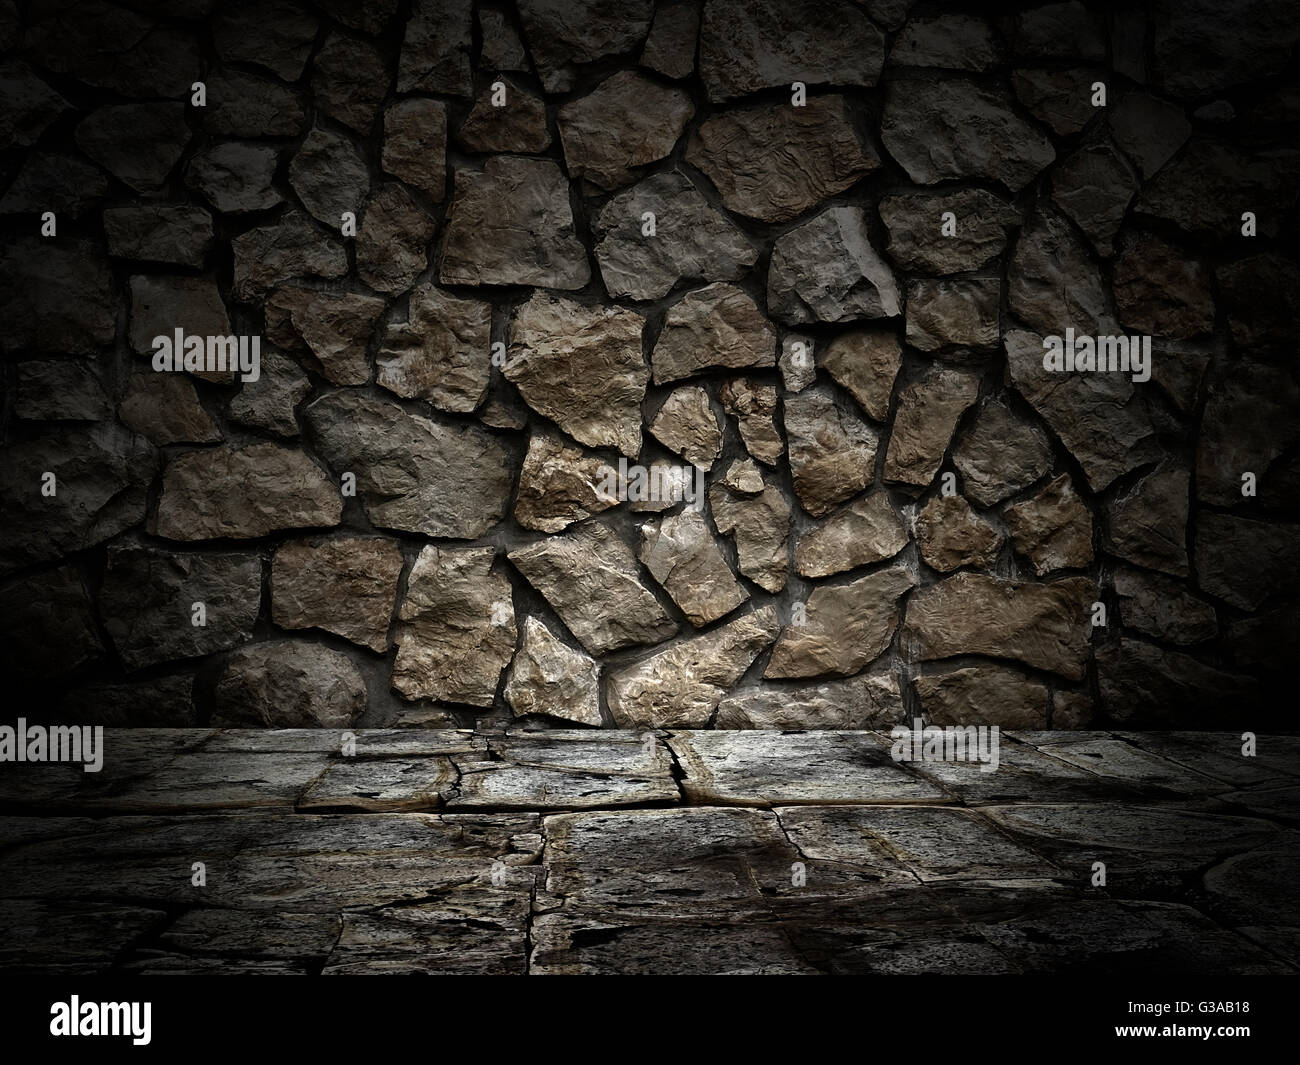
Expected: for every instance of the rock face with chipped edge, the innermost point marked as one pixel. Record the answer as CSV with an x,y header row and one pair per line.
x,y
560,484
928,412
581,367
456,630
865,531
982,695
826,270
590,578
680,686
845,626
1000,454
760,527
681,555
687,425
1041,625
867,701
915,224
865,362
1053,529
564,34
440,353
551,678
753,404
949,535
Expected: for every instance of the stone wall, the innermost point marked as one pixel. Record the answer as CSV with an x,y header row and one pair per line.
x,y
811,248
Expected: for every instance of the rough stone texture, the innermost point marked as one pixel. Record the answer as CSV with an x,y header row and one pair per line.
x,y
549,677
959,318
511,224
869,700
759,525
440,352
865,531
1041,625
243,493
853,202
517,125
928,412
748,45
982,695
456,630
680,687
687,425
827,271
565,33
949,535
1160,291
1099,416
345,585
149,597
864,362
915,221
681,555
845,626
754,406
582,368
415,144
590,577
691,241
1053,529
774,163
286,684
1161,607
625,123
951,129
832,451
560,484
415,474
1147,523
999,454
436,48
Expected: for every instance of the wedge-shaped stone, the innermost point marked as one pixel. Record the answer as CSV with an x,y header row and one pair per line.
x,y
760,527
1000,454
928,412
680,686
681,554
243,493
1053,529
687,425
1042,625
844,626
551,678
559,484
414,473
864,362
582,368
590,578
457,627
866,531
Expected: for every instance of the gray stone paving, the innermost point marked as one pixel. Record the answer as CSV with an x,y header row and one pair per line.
x,y
650,852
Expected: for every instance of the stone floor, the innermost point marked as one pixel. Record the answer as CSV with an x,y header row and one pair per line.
x,y
673,852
